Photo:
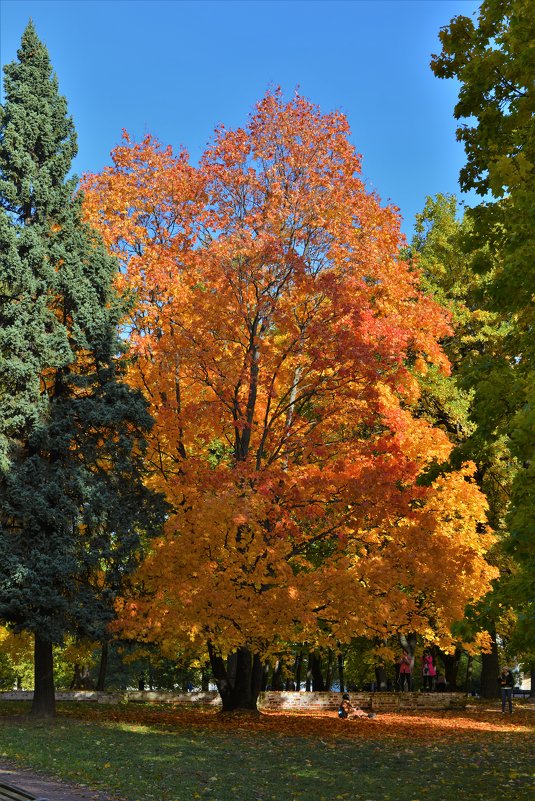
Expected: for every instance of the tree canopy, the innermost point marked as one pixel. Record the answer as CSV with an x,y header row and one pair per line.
x,y
71,431
494,62
279,337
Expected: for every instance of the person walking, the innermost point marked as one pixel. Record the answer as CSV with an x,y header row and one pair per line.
x,y
506,682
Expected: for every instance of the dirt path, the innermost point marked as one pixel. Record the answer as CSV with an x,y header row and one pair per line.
x,y
43,787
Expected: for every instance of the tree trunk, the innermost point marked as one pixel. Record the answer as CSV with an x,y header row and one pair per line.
x,y
490,670
408,643
329,674
469,671
75,683
81,679
451,668
205,679
266,669
239,680
103,667
380,677
318,685
297,674
341,671
276,678
532,678
308,680
44,697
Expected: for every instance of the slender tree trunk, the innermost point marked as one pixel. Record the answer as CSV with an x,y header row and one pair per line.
x,y
381,680
75,682
341,680
276,679
103,667
205,680
44,697
380,677
239,686
266,668
308,680
469,671
298,666
490,670
532,677
329,674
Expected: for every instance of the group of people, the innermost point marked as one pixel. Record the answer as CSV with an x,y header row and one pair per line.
x,y
404,667
432,679
347,711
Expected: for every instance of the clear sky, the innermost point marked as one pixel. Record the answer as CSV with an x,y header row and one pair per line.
x,y
176,69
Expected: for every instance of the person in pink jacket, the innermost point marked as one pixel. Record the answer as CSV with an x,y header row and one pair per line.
x,y
405,671
429,672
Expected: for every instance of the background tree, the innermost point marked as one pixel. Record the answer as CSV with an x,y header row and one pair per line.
x,y
493,60
276,329
444,251
71,432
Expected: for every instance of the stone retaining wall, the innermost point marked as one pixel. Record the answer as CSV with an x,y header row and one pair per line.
x,y
320,702
269,701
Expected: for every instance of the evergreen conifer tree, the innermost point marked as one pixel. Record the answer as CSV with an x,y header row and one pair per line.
x,y
72,502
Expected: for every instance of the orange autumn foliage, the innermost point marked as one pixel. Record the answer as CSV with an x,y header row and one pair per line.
x,y
419,726
276,335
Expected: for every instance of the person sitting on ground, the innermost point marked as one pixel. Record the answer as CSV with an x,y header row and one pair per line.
x,y
347,711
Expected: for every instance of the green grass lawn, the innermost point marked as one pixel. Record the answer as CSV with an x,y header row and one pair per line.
x,y
188,755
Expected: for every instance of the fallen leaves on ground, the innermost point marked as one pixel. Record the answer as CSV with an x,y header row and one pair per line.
x,y
150,753
418,725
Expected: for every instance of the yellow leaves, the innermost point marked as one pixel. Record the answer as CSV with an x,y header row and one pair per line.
x,y
420,365
482,643
272,325
19,647
79,651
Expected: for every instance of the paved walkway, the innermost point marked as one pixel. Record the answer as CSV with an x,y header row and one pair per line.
x,y
43,787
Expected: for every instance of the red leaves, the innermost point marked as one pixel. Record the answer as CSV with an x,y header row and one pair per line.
x,y
273,330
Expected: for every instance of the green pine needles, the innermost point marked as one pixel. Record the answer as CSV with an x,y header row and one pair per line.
x,y
72,503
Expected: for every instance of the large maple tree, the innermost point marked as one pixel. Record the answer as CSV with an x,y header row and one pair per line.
x,y
278,339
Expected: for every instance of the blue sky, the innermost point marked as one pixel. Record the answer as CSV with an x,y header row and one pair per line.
x,y
176,69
